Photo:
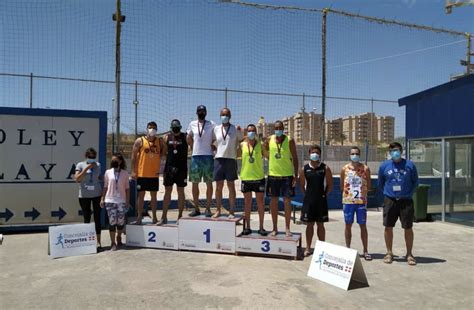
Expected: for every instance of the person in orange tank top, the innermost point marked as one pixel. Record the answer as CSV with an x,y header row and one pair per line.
x,y
146,162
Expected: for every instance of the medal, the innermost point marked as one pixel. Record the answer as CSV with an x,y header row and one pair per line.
x,y
251,160
175,151
278,145
277,155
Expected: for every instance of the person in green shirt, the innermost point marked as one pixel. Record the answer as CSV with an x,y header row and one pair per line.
x,y
282,174
253,177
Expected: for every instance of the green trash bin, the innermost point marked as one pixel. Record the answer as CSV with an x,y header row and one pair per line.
x,y
420,202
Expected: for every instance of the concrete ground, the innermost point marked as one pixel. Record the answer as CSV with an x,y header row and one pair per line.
x,y
147,278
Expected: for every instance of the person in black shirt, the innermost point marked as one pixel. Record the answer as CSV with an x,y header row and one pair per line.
x,y
316,183
176,168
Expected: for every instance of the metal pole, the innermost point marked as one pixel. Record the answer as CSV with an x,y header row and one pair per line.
x,y
118,19
31,90
323,86
225,98
135,102
303,108
468,54
443,179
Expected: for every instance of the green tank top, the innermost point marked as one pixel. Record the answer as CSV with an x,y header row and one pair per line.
x,y
283,166
251,171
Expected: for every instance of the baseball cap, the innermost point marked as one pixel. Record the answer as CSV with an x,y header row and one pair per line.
x,y
201,108
175,123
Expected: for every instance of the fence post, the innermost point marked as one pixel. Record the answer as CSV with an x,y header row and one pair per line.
x,y
303,108
323,84
31,90
135,103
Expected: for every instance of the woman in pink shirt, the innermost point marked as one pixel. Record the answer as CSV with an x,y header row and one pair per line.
x,y
116,197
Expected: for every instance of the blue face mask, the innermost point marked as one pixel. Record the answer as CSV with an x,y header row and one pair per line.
x,y
251,135
355,158
225,119
90,160
279,133
395,154
314,156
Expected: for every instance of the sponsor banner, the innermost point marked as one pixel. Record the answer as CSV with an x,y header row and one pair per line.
x,y
152,236
205,234
336,265
257,244
72,240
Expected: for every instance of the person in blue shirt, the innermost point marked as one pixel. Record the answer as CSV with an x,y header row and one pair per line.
x,y
398,179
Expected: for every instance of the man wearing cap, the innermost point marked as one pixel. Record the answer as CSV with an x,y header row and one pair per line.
x,y
282,174
200,134
146,168
227,138
176,168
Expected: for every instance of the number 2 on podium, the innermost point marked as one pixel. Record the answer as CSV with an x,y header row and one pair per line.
x,y
152,236
207,233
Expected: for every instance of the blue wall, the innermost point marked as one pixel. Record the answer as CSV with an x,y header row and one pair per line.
x,y
445,110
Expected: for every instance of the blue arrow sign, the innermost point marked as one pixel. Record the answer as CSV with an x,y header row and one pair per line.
x,y
6,215
33,214
59,214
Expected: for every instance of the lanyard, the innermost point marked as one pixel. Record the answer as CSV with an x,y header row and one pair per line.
x,y
175,143
117,178
253,148
224,136
202,130
279,145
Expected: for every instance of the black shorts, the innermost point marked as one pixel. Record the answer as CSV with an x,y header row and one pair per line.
x,y
225,169
394,209
147,184
257,186
280,187
315,210
175,175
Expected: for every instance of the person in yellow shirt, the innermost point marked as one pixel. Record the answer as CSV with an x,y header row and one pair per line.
x,y
282,174
146,155
253,177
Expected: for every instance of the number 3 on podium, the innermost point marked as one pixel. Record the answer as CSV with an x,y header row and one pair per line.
x,y
265,246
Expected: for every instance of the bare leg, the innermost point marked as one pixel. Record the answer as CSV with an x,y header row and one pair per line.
x,y
348,234
261,209
180,201
274,211
232,195
309,237
112,238
141,198
166,202
388,234
196,196
209,196
153,204
364,236
409,237
219,187
287,203
321,231
247,208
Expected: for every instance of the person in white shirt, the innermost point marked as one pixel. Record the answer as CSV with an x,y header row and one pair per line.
x,y
199,137
227,139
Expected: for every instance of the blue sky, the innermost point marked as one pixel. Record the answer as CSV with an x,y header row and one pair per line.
x,y
206,44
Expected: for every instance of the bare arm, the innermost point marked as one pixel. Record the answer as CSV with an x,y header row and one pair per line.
x,y
343,176
302,181
190,140
266,147
369,182
80,174
329,181
104,191
136,148
164,146
294,156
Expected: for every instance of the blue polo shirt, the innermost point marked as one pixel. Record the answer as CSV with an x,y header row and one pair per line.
x,y
398,180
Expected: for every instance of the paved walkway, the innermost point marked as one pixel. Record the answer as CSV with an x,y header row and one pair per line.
x,y
147,278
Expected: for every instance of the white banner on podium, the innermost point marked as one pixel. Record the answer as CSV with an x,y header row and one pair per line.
x,y
279,245
152,236
336,265
207,234
72,240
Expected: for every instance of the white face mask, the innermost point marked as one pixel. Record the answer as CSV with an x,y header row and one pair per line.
x,y
151,132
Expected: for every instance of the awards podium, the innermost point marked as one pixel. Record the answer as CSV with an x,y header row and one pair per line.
x,y
207,234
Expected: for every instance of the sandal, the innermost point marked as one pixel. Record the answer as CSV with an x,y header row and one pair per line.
x,y
367,256
307,253
411,260
388,258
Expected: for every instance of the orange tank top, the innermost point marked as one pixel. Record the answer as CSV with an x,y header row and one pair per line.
x,y
149,159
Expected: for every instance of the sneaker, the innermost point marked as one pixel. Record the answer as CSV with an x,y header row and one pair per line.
x,y
231,216
113,247
263,232
247,231
208,213
195,213
162,222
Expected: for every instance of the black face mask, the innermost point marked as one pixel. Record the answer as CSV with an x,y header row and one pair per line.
x,y
115,164
201,115
175,129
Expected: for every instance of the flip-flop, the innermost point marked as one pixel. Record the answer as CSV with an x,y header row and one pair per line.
x,y
367,257
307,253
411,261
388,258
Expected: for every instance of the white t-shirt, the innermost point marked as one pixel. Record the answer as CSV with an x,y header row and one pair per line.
x,y
202,143
227,148
117,185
